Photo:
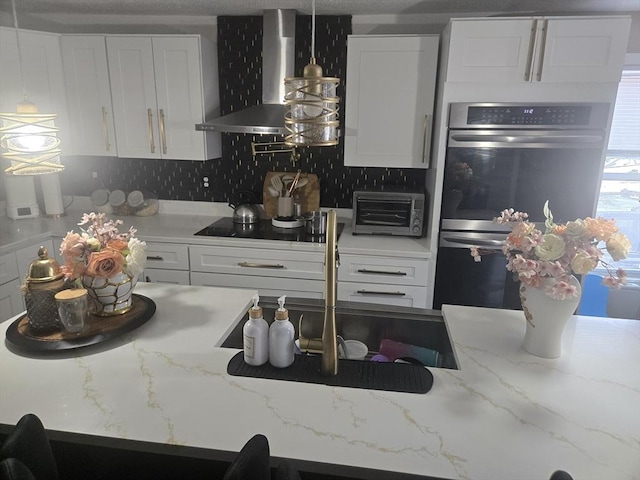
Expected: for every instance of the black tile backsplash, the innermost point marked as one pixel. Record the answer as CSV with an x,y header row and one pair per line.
x,y
240,60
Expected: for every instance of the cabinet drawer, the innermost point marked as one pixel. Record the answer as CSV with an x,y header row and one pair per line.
x,y
266,286
160,275
8,268
399,295
386,270
254,262
167,256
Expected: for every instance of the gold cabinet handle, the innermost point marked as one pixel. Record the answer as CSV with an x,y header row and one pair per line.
x,y
543,44
152,145
259,265
426,141
374,292
380,272
105,129
163,136
154,257
532,44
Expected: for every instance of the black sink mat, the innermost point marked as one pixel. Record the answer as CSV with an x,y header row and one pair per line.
x,y
392,377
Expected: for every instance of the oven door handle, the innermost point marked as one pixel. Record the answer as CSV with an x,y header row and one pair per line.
x,y
462,242
504,139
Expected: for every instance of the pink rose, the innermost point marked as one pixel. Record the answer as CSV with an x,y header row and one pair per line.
x,y
105,264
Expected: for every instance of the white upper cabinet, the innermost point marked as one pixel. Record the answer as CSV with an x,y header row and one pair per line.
x,y
158,93
41,68
390,100
516,50
92,129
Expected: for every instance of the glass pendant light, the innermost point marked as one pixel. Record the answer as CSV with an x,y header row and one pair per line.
x,y
28,138
311,104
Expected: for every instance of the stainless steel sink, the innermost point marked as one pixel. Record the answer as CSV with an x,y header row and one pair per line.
x,y
367,323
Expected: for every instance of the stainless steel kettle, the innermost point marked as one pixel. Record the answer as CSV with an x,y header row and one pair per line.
x,y
245,210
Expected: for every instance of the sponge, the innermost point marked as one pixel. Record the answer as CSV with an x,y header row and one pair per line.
x,y
394,350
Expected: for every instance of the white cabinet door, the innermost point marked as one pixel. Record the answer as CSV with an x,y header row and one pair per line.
x,y
133,92
160,92
491,50
389,105
92,130
179,96
581,50
552,50
42,72
11,300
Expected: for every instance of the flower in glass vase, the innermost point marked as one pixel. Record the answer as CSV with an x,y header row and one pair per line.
x,y
548,259
104,260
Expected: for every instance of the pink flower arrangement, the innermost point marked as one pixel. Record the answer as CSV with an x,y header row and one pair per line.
x,y
561,251
101,250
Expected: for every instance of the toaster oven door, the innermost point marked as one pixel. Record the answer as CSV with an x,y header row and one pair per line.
x,y
384,213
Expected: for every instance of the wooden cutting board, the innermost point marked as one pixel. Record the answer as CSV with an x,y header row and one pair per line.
x,y
309,194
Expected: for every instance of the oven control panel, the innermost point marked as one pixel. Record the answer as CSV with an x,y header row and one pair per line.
x,y
566,115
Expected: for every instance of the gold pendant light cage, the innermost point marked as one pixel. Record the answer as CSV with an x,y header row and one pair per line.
x,y
311,105
28,139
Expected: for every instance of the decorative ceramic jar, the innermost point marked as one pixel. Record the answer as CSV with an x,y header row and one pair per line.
x,y
112,296
546,318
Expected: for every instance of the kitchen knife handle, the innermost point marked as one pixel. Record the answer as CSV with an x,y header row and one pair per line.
x,y
374,292
151,141
259,265
381,272
426,141
163,136
105,129
532,44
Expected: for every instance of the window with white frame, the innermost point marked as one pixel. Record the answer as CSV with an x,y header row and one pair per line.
x,y
620,188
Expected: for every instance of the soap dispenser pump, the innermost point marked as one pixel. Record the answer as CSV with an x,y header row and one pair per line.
x,y
281,338
255,336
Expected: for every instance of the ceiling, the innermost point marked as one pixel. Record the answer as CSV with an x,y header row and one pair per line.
x,y
42,8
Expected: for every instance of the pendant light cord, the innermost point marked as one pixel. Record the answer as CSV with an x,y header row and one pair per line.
x,y
15,23
313,29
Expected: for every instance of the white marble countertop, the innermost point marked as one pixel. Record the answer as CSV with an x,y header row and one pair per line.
x,y
177,222
504,415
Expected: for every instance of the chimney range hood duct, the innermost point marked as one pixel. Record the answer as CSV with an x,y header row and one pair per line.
x,y
278,61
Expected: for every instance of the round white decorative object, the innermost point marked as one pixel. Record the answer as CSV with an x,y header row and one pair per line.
x,y
112,295
546,318
356,350
293,223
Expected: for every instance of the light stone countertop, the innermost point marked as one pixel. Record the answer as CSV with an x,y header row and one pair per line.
x,y
504,415
177,222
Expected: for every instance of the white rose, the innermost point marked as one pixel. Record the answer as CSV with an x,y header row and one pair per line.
x,y
137,256
583,263
551,248
576,228
618,246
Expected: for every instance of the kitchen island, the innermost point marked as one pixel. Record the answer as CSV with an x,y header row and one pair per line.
x,y
504,415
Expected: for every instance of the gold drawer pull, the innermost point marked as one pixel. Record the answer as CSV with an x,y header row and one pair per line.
x,y
373,292
380,272
154,257
259,265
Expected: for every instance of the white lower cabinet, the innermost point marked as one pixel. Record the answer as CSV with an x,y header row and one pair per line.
x,y
11,302
384,280
167,263
271,272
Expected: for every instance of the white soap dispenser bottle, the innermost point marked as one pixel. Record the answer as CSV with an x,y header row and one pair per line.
x,y
281,338
255,336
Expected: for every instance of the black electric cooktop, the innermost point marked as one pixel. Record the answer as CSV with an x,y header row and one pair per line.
x,y
263,230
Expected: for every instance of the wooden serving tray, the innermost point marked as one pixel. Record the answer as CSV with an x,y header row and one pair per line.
x,y
97,329
309,194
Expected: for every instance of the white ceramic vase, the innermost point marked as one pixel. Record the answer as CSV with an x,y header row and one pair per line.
x,y
112,295
546,318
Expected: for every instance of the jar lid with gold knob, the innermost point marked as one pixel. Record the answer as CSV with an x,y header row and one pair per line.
x,y
44,269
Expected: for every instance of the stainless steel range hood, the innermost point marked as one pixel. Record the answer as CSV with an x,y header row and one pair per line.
x,y
278,58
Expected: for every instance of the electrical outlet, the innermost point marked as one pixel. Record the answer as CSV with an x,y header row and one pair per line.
x,y
205,182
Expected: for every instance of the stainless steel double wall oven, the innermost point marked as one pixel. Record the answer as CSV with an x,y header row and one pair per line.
x,y
511,156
